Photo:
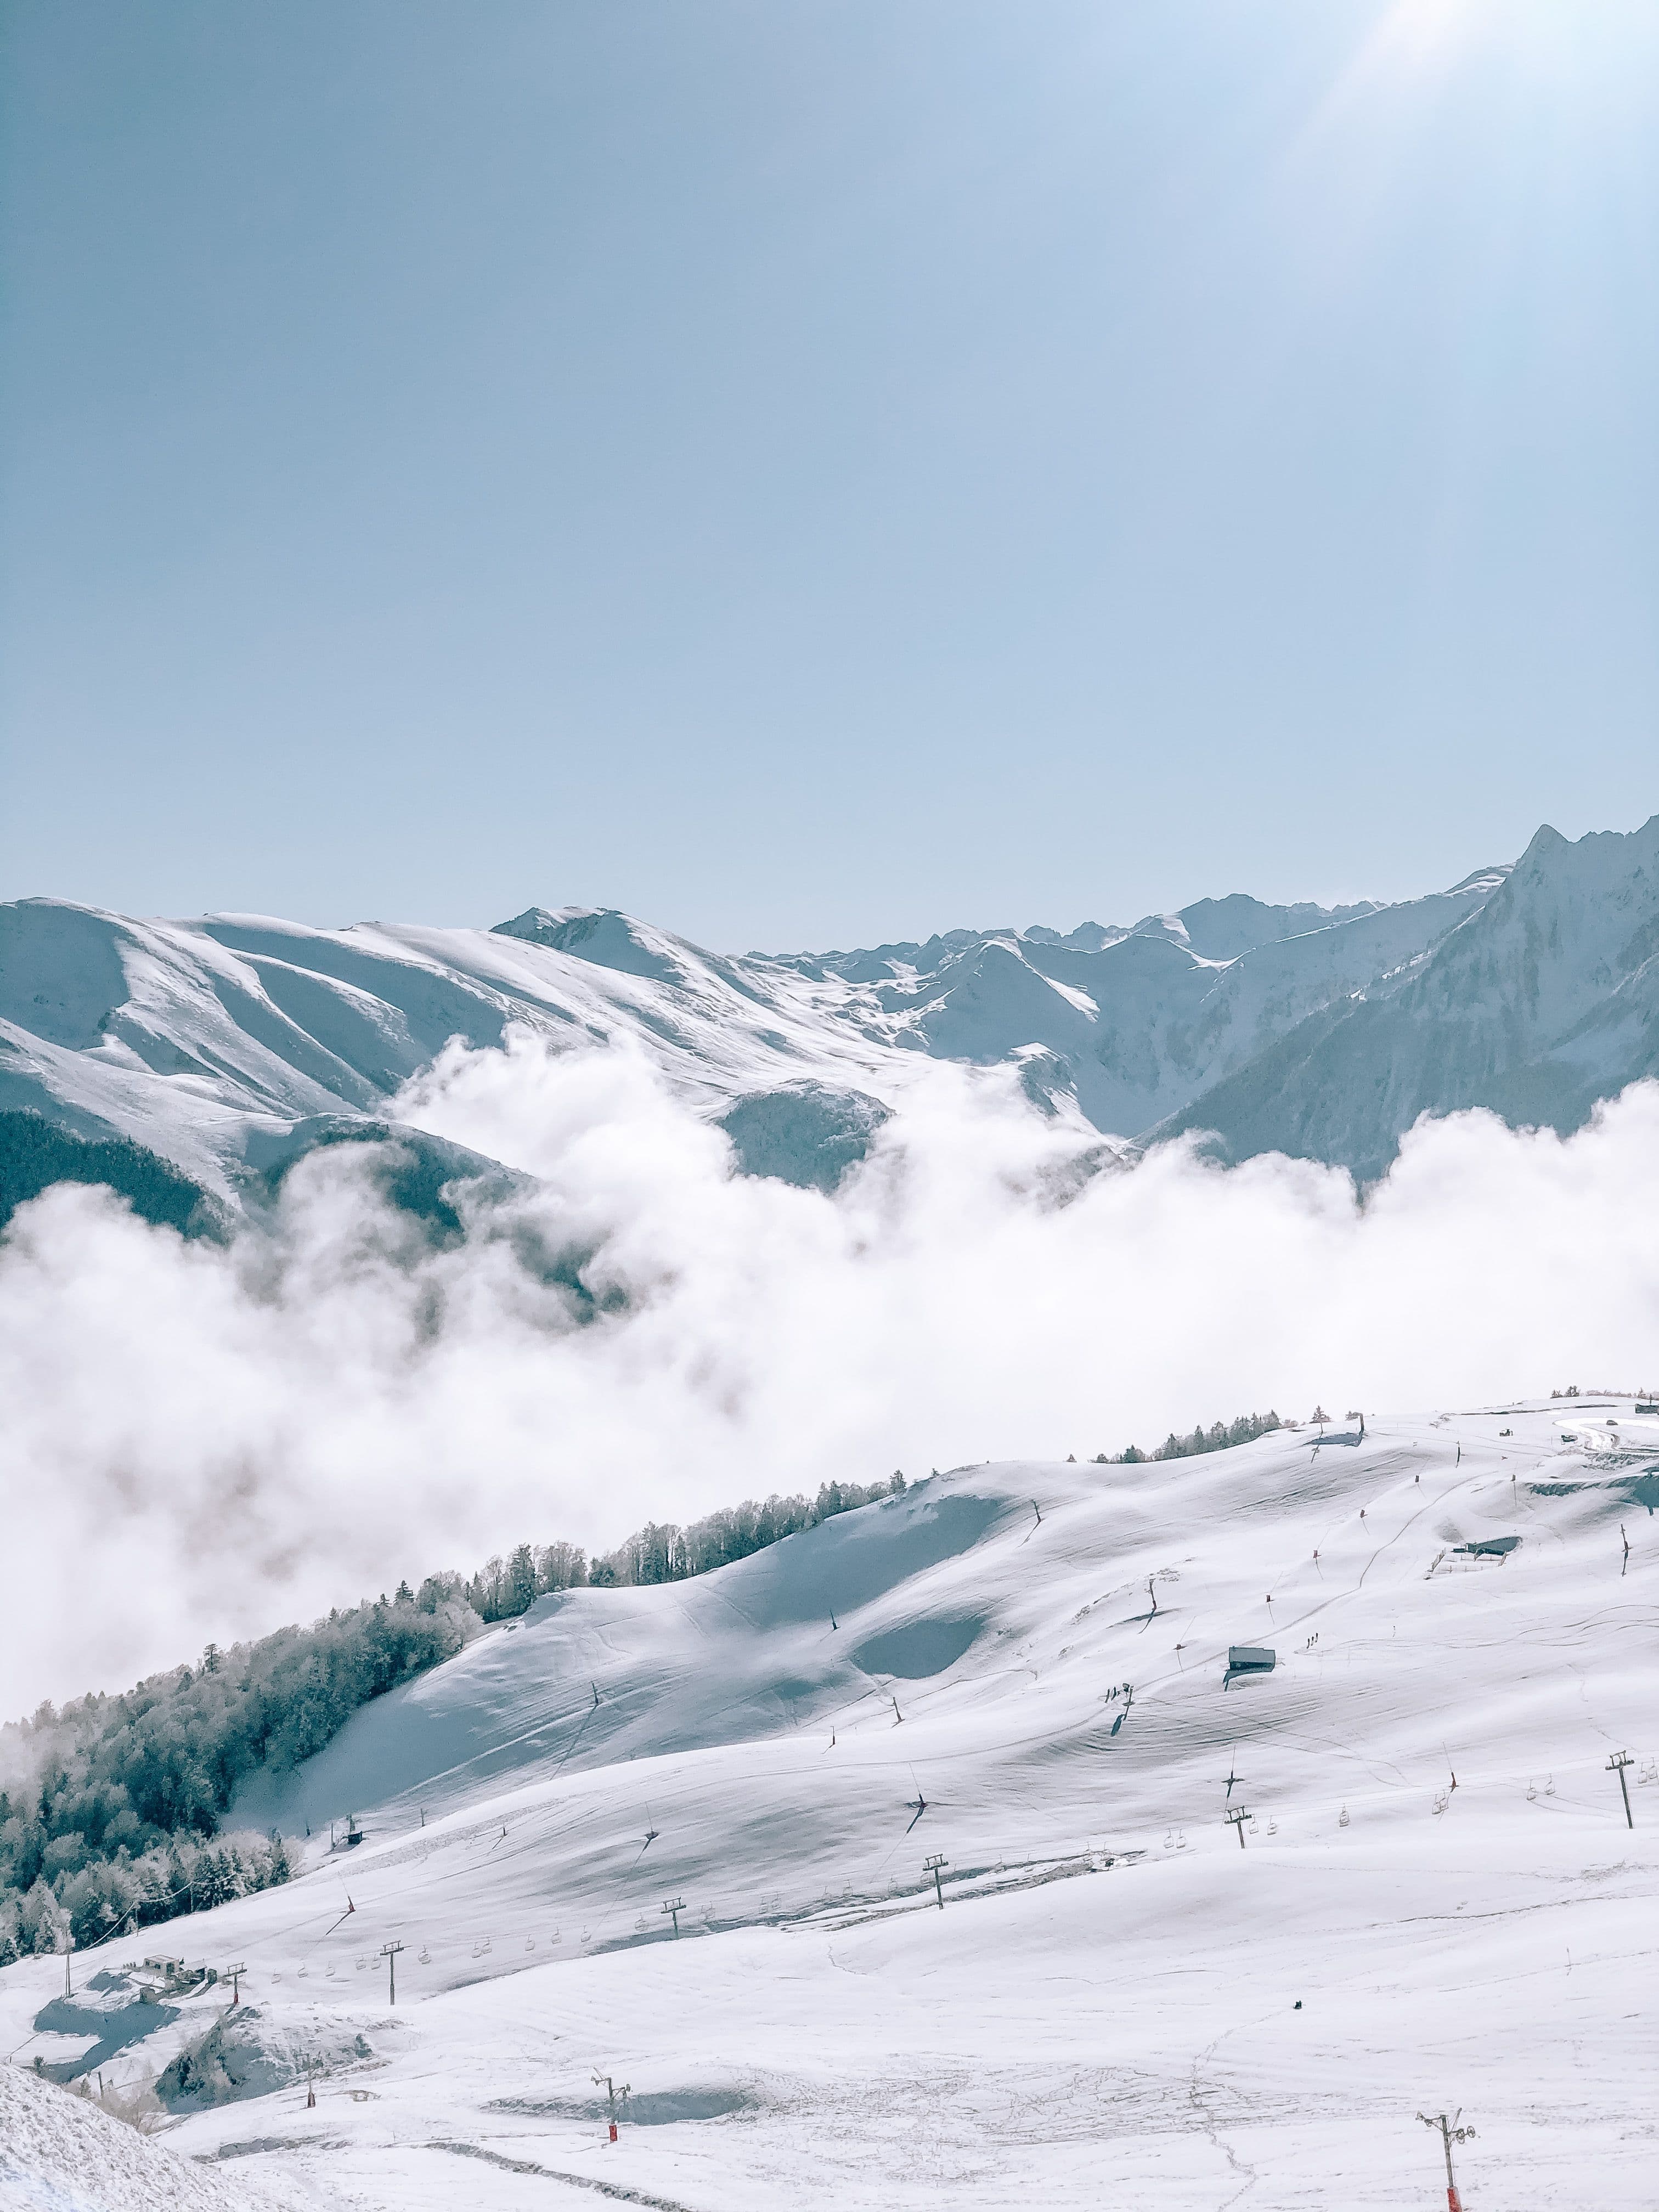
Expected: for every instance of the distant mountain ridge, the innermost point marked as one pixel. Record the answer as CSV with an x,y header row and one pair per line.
x,y
229,1045
1216,929
1139,1022
1539,1004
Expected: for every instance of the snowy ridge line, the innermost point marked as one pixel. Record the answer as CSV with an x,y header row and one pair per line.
x,y
231,1043
612,2189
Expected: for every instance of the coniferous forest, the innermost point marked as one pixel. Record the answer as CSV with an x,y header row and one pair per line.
x,y
35,1154
110,1808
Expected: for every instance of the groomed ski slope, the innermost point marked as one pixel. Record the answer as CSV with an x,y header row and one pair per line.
x,y
1104,2012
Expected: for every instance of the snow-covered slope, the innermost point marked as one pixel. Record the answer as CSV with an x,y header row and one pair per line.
x,y
223,1043
229,1044
1022,1670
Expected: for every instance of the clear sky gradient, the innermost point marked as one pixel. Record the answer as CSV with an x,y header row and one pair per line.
x,y
811,473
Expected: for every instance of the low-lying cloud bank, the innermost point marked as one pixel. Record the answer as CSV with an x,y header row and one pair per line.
x,y
204,1442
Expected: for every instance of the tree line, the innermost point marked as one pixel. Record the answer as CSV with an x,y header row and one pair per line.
x,y
1220,1437
110,1814
661,1551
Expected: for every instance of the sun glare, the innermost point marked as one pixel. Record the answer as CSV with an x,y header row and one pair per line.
x,y
1550,43
1571,77
1417,33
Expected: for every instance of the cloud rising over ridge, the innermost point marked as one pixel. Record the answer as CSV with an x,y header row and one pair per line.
x,y
204,1441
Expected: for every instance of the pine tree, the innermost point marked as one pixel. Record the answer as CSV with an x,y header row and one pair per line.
x,y
519,1593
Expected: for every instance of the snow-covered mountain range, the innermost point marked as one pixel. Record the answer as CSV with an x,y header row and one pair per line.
x,y
227,1046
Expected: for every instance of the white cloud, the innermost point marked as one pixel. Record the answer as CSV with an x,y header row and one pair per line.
x,y
203,1442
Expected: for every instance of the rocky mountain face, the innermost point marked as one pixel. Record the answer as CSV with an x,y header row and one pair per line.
x,y
226,1046
1543,1001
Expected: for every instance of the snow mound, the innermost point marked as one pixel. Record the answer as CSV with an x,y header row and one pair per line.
x,y
59,2153
245,2053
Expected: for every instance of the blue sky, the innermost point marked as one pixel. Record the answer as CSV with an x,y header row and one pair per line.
x,y
816,473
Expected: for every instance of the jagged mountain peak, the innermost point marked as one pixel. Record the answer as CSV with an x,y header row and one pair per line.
x,y
1543,999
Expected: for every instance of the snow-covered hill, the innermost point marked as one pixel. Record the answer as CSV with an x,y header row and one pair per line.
x,y
229,1045
1022,1671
